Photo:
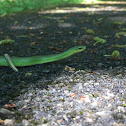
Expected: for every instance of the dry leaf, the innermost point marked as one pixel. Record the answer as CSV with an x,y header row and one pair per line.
x,y
9,106
34,43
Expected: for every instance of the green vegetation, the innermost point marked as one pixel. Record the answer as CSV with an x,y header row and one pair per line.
x,y
12,6
91,95
100,19
44,120
119,46
90,31
115,55
120,34
123,29
12,62
117,22
81,112
6,41
124,105
99,40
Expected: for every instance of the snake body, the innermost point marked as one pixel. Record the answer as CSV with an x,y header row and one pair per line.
x,y
14,62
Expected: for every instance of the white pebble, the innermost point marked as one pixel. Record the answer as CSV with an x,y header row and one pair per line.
x,y
121,109
9,122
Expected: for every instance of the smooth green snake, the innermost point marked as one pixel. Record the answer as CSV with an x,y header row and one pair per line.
x,y
14,62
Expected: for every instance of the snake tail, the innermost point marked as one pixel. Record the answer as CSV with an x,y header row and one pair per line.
x,y
7,57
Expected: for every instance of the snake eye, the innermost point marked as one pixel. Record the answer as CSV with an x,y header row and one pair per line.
x,y
80,48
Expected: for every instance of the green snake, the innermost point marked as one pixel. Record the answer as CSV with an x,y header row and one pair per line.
x,y
14,62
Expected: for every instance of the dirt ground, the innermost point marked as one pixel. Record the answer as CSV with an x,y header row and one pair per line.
x,y
53,31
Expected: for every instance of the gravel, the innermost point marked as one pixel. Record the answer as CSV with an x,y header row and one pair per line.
x,y
78,98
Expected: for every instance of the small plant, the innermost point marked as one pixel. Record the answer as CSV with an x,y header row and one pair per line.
x,y
6,41
120,34
90,31
44,120
119,46
115,55
60,21
124,105
117,22
99,40
100,19
81,112
123,29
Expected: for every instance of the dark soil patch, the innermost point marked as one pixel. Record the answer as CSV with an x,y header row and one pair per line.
x,y
45,33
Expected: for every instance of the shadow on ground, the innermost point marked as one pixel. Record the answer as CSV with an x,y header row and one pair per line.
x,y
49,32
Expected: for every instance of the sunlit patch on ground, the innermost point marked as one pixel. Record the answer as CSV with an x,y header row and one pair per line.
x,y
104,6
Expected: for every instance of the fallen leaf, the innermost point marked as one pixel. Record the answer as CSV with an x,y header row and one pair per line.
x,y
40,37
9,106
73,95
24,107
63,42
59,121
81,22
82,98
87,42
69,68
1,121
80,43
31,34
30,28
93,51
34,43
55,48
91,72
65,17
